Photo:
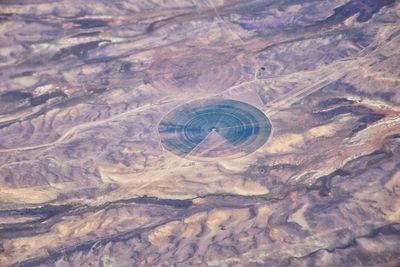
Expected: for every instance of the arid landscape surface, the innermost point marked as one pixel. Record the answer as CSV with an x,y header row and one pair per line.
x,y
85,179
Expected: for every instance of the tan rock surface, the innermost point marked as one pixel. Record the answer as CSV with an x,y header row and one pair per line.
x,y
85,180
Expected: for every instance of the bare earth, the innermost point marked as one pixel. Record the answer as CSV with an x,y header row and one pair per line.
x,y
85,180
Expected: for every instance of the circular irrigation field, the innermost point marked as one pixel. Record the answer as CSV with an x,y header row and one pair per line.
x,y
214,128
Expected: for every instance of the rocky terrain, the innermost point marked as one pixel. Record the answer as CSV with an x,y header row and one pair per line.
x,y
86,181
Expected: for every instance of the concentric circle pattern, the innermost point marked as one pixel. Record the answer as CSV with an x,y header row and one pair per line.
x,y
214,128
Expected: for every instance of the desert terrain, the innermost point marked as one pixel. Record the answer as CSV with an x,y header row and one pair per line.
x,y
88,176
